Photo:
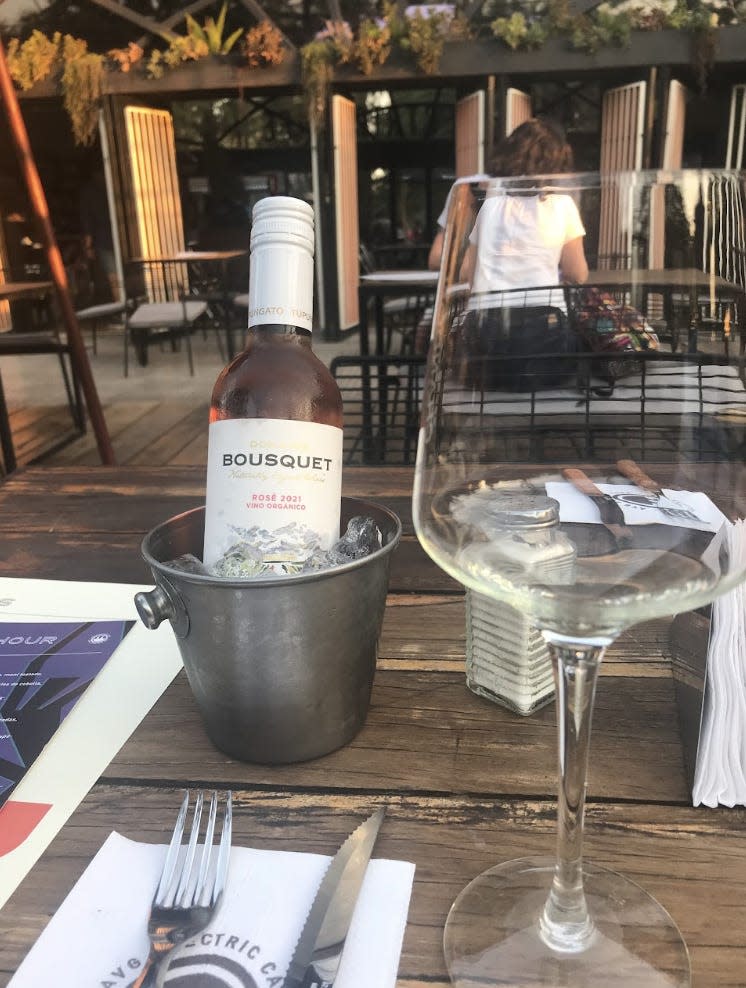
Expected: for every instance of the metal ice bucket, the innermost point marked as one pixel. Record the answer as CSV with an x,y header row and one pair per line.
x,y
282,668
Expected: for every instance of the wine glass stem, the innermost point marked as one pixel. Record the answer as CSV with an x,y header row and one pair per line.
x,y
565,924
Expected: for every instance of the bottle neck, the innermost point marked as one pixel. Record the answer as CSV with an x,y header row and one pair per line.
x,y
281,286
280,330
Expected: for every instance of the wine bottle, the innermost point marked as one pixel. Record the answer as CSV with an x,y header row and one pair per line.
x,y
274,467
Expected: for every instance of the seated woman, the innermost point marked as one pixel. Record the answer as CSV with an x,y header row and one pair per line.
x,y
525,241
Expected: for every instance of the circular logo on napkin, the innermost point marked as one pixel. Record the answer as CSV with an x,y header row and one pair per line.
x,y
207,971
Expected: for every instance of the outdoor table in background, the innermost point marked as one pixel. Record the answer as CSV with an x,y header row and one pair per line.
x,y
698,288
24,297
466,784
388,284
207,279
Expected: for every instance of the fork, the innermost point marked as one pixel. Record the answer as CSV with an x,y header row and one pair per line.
x,y
184,904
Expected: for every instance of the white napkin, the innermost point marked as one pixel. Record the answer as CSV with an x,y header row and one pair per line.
x,y
720,773
689,509
98,935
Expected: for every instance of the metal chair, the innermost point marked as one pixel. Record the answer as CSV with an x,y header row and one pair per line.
x,y
158,309
96,315
381,397
42,338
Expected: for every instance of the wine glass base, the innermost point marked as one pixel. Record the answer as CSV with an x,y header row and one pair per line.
x,y
492,934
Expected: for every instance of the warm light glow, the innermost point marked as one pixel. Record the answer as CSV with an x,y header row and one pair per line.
x,y
152,152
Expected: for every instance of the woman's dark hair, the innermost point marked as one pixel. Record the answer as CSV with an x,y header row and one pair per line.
x,y
536,147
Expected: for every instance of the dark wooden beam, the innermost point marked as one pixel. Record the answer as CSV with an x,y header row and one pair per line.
x,y
164,27
147,23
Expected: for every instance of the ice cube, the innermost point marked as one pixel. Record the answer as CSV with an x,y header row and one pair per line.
x,y
188,563
242,561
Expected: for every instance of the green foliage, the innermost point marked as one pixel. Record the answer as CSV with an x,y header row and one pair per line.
x,y
34,60
211,33
82,85
263,45
317,69
604,30
372,46
607,26
518,33
81,78
426,38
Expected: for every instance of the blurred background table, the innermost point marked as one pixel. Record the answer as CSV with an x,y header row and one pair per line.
x,y
466,783
691,300
380,285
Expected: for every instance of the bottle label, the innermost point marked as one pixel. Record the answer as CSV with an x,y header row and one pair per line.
x,y
274,484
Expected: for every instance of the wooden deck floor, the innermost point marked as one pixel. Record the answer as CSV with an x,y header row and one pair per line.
x,y
157,433
157,416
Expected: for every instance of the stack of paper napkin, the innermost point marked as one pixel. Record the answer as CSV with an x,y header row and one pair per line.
x,y
720,774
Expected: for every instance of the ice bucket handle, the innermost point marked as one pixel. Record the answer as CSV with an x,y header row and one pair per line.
x,y
155,606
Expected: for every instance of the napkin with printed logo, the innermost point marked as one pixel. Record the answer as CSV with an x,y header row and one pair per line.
x,y
101,928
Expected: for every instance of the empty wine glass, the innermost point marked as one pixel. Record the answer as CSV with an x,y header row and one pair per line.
x,y
533,397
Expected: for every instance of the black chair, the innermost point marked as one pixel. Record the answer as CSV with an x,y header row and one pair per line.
x,y
45,338
381,397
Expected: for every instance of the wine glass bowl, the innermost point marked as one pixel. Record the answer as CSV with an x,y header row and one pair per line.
x,y
569,462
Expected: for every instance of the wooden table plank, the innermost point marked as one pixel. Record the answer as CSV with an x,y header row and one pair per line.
x,y
426,732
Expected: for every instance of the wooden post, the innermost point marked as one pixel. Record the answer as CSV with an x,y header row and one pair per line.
x,y
78,355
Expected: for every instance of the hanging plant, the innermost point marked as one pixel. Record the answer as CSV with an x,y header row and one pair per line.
x,y
604,30
34,60
342,39
426,38
82,85
518,33
263,45
373,44
317,70
125,58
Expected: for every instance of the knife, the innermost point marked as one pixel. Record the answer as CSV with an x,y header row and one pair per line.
x,y
669,506
612,515
639,478
319,950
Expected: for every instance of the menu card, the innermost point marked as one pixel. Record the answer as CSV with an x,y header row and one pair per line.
x,y
71,692
45,667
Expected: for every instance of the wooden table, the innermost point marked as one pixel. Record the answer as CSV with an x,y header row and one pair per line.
x,y
692,283
466,783
11,291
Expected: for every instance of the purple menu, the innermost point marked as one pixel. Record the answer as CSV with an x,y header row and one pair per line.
x,y
45,667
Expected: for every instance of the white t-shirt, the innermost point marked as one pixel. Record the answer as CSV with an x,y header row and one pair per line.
x,y
476,179
519,240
